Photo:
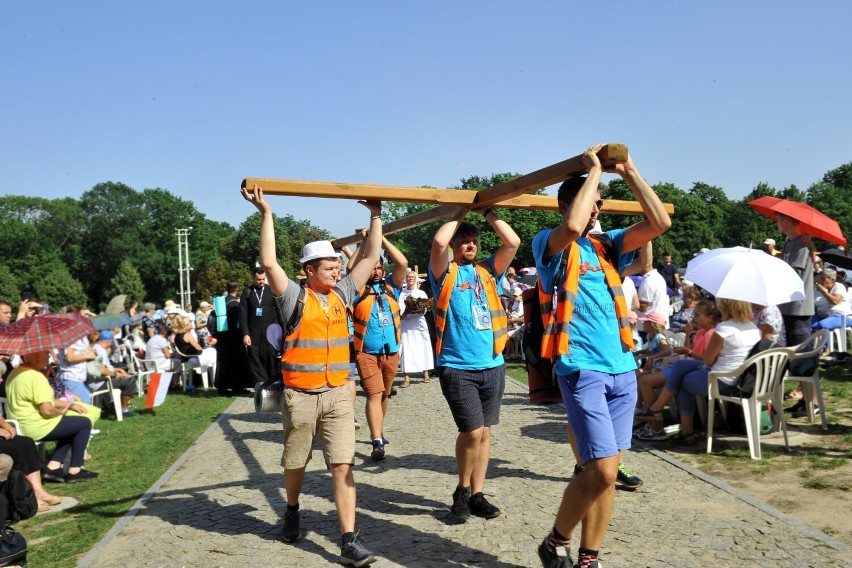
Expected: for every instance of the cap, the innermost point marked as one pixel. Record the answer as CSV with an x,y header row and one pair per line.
x,y
654,317
105,335
769,242
169,304
317,249
173,309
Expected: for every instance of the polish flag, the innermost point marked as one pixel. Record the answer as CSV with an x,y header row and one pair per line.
x,y
158,387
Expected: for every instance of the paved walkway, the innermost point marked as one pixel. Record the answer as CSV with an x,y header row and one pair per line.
x,y
222,503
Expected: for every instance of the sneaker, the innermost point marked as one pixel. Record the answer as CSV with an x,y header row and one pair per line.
x,y
796,407
82,475
480,507
127,414
559,558
594,564
461,509
648,433
55,475
292,530
378,452
627,480
353,553
803,411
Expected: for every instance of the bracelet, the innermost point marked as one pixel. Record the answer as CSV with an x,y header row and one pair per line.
x,y
486,212
375,217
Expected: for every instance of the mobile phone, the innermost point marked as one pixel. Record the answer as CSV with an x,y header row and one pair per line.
x,y
45,308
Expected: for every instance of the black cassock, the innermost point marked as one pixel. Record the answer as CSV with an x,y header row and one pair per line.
x,y
257,312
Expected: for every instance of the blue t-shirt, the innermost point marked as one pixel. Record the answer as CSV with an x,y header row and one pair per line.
x,y
464,346
380,329
594,337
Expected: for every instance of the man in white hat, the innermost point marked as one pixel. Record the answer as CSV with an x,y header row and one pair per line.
x,y
768,247
315,369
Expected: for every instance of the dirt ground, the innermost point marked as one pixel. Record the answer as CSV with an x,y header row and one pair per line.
x,y
812,483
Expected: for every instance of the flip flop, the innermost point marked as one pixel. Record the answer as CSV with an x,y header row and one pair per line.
x,y
43,507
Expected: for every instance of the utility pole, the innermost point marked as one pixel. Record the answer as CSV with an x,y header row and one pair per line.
x,y
183,266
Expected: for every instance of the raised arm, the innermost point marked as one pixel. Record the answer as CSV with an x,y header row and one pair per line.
x,y
356,257
275,275
656,221
438,255
575,219
400,263
372,246
511,241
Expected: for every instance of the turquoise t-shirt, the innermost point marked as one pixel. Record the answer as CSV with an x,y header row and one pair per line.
x,y
594,337
380,329
465,346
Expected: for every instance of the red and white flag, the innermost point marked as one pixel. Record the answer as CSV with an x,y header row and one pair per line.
x,y
158,387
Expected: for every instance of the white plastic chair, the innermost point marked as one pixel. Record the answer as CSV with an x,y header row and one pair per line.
x,y
107,389
770,367
675,339
675,306
143,369
840,339
811,347
191,362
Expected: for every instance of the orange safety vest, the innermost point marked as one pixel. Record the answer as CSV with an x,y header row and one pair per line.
x,y
316,353
558,327
499,321
364,309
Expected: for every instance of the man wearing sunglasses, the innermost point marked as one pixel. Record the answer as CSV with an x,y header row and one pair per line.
x,y
588,335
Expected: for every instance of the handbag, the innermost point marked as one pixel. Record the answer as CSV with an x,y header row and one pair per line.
x,y
13,548
268,397
93,369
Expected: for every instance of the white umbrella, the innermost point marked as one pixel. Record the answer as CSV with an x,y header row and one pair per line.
x,y
745,274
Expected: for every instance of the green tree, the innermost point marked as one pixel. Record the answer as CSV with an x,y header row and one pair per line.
x,y
54,285
210,278
9,289
127,281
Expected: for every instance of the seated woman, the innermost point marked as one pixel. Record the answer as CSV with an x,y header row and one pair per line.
x,y
44,418
516,325
25,457
158,349
187,346
727,349
678,322
831,306
705,318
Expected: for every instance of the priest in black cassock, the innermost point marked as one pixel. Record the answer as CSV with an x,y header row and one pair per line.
x,y
257,312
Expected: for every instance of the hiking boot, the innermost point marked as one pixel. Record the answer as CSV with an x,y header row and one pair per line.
x,y
353,553
559,558
292,530
460,508
627,480
481,508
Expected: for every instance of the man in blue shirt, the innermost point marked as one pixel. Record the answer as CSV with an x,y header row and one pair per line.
x,y
589,334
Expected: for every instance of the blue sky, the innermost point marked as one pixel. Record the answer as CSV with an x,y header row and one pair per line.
x,y
195,96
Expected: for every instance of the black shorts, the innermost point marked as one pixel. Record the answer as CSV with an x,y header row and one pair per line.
x,y
474,396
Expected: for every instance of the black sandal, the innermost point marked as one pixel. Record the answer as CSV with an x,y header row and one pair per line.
x,y
648,416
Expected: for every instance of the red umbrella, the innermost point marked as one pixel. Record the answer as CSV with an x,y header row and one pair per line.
x,y
42,333
810,220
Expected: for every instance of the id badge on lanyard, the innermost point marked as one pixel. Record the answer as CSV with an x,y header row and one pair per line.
x,y
481,317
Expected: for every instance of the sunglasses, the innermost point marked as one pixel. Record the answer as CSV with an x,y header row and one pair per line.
x,y
599,204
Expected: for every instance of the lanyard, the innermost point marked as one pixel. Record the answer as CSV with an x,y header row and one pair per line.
x,y
379,298
259,298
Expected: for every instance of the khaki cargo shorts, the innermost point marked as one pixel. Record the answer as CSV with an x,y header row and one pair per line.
x,y
329,414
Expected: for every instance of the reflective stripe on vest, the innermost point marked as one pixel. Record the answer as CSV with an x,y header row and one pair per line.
x,y
558,327
316,354
364,309
499,320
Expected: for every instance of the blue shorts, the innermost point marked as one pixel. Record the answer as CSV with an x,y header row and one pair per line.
x,y
600,411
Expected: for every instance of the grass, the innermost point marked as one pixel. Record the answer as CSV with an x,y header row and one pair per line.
x,y
130,456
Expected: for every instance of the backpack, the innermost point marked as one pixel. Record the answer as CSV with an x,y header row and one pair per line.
x,y
749,377
17,498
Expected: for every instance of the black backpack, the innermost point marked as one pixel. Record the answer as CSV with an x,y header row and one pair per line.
x,y
749,377
17,498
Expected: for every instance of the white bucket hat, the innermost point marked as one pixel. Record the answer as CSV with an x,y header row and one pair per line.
x,y
317,249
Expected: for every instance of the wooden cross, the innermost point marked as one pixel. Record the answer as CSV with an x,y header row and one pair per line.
x,y
510,194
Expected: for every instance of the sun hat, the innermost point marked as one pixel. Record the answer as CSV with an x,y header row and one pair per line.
x,y
654,317
317,249
769,242
204,306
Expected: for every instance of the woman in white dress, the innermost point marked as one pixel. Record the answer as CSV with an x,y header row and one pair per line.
x,y
416,351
